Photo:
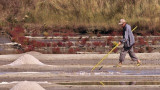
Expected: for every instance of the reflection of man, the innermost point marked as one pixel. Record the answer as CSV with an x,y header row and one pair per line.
x,y
128,41
130,83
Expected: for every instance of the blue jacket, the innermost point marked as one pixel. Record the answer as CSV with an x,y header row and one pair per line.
x,y
128,37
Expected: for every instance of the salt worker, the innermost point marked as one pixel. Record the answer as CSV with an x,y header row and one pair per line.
x,y
128,41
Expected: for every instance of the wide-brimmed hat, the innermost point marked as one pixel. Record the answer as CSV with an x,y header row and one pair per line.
x,y
122,21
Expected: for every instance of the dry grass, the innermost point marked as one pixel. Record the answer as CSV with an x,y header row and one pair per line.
x,y
144,13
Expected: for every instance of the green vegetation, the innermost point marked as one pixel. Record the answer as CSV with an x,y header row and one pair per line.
x,y
100,13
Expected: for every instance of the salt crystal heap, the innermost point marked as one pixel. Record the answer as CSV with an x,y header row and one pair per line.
x,y
26,59
26,85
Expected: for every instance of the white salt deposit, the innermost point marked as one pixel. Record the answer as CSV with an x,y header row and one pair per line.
x,y
26,59
4,83
26,85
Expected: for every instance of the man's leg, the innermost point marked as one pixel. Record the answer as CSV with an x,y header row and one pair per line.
x,y
133,56
122,55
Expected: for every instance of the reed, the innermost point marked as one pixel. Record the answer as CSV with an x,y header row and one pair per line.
x,y
106,13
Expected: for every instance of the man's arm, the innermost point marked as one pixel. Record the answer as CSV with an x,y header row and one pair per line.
x,y
125,39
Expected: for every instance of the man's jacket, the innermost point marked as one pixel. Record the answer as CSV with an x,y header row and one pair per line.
x,y
128,37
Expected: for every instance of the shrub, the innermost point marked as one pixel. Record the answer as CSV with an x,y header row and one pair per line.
x,y
65,34
23,40
17,32
109,39
48,44
147,41
86,39
71,51
154,41
83,41
135,50
64,44
77,49
65,38
69,44
88,44
29,48
38,44
113,33
149,49
33,42
99,35
56,34
56,50
115,50
80,37
141,50
155,33
141,41
97,43
104,43
60,44
120,33
71,34
54,44
41,44
34,34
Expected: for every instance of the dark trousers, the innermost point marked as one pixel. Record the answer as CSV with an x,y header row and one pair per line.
x,y
124,51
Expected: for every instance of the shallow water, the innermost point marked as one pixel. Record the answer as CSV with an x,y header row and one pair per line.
x,y
3,73
96,73
112,83
119,72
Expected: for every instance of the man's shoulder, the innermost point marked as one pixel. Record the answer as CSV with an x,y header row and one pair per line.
x,y
128,26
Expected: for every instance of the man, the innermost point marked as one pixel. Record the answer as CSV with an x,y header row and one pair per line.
x,y
128,41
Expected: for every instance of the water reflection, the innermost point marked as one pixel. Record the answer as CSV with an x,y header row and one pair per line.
x,y
112,83
127,83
